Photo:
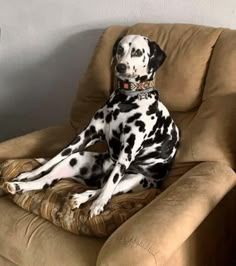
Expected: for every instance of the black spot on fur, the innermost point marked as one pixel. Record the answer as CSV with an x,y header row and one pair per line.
x,y
121,127
43,173
162,121
118,97
133,117
130,146
66,152
101,158
156,126
167,146
145,183
125,103
115,114
17,187
99,115
73,162
24,179
46,186
122,169
141,125
153,154
115,146
109,117
115,178
127,107
95,168
94,182
116,134
77,149
147,143
83,170
153,108
90,195
143,78
54,182
158,137
159,170
90,131
101,134
127,129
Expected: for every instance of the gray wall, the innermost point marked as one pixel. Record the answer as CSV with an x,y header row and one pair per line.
x,y
46,45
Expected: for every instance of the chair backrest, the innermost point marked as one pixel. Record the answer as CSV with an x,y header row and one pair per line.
x,y
197,83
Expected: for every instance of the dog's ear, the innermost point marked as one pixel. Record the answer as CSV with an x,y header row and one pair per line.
x,y
157,56
114,49
115,46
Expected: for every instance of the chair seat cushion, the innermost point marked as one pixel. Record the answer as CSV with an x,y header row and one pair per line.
x,y
28,240
53,205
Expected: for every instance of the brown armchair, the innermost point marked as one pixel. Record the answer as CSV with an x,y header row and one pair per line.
x,y
192,221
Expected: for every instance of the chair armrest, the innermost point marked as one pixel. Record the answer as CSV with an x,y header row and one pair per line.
x,y
154,233
43,143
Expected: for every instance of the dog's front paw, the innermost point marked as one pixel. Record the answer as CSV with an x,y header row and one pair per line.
x,y
79,198
11,187
76,200
97,207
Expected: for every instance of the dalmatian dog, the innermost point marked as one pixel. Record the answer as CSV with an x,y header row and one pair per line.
x,y
142,137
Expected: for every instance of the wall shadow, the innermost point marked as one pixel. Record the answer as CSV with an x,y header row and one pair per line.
x,y
44,91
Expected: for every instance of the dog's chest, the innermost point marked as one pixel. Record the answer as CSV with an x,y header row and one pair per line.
x,y
122,110
121,115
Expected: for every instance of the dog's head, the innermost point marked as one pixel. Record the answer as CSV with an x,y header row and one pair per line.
x,y
137,58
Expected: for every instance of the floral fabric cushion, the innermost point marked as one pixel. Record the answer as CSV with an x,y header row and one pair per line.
x,y
52,204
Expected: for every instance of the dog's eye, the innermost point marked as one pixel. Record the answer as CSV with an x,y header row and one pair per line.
x,y
138,53
120,50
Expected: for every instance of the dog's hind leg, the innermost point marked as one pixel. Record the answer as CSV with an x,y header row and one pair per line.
x,y
89,166
92,134
130,183
132,143
135,182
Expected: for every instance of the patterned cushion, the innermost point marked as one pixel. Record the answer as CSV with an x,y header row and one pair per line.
x,y
52,204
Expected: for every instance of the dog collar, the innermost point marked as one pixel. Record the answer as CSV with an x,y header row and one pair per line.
x,y
125,88
143,94
132,86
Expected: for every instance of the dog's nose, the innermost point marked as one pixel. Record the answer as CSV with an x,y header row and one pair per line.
x,y
121,68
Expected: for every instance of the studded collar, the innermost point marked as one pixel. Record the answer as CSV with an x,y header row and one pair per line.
x,y
141,89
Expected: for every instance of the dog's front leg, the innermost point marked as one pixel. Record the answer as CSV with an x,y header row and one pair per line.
x,y
127,155
106,193
90,135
